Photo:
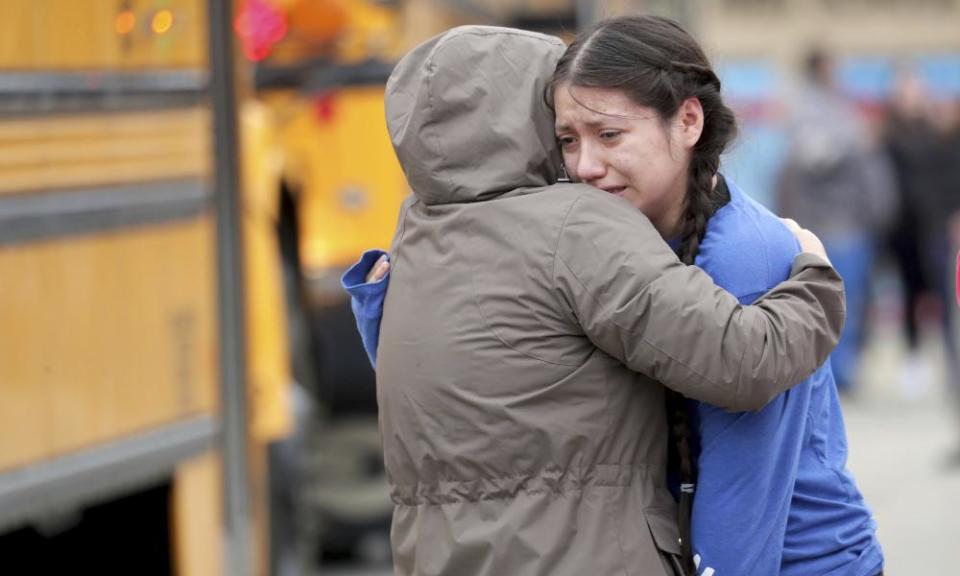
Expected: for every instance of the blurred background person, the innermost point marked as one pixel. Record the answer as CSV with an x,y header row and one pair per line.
x,y
912,141
836,182
951,145
941,240
923,140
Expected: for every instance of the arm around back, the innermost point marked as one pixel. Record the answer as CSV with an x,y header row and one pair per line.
x,y
637,302
366,299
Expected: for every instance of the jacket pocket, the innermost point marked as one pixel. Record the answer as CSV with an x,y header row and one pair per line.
x,y
663,527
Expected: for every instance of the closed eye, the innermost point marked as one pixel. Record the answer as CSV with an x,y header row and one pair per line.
x,y
609,134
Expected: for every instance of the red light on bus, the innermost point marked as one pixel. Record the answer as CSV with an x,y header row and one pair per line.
x,y
162,22
324,107
259,26
125,22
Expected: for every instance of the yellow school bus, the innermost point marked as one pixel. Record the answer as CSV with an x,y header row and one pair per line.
x,y
111,321
114,294
313,125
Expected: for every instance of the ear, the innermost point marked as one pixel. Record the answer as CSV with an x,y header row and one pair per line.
x,y
690,122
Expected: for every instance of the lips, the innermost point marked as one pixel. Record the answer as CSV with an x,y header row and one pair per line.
x,y
615,190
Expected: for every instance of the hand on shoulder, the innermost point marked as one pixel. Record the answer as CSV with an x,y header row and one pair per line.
x,y
807,239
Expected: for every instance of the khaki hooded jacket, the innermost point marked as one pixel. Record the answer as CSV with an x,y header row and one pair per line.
x,y
529,331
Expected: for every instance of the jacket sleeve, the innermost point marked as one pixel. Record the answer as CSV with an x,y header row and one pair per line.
x,y
366,300
637,302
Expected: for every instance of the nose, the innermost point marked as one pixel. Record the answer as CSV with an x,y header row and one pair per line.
x,y
590,165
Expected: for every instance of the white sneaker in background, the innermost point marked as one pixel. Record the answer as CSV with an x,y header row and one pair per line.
x,y
915,378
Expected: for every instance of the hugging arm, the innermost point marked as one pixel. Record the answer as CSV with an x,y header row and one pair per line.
x,y
637,302
366,298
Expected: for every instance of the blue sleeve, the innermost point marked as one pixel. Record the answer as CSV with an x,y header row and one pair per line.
x,y
366,300
748,461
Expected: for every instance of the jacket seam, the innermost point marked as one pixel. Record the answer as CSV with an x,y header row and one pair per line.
x,y
507,32
431,66
556,253
618,529
743,355
403,229
493,331
576,486
501,339
581,468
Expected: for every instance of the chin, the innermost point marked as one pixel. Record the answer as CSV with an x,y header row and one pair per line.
x,y
643,207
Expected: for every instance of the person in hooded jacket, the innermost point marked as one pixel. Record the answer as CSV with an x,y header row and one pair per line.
x,y
529,331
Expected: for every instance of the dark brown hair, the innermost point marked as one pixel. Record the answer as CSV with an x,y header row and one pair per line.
x,y
659,66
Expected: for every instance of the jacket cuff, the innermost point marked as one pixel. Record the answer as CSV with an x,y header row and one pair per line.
x,y
354,280
807,260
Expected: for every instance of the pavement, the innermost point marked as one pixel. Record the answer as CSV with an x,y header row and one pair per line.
x,y
903,432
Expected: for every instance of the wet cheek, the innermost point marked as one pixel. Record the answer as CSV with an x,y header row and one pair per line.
x,y
570,163
633,168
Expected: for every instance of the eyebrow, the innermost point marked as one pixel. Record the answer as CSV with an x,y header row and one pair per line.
x,y
588,123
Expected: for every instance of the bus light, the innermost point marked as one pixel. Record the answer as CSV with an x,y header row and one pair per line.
x,y
162,22
125,22
259,26
325,107
319,21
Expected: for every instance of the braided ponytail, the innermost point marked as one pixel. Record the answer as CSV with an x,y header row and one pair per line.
x,y
658,65
703,197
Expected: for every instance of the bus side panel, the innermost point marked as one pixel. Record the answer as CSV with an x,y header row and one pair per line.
x,y
84,150
197,510
107,335
268,357
92,34
352,182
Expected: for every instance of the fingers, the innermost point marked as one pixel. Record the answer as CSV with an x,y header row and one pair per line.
x,y
379,270
807,239
791,225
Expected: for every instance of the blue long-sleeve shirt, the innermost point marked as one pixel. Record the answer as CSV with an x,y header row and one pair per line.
x,y
773,493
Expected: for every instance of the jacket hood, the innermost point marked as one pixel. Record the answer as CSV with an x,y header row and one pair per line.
x,y
467,115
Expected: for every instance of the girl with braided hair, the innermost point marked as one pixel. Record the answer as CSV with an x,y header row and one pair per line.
x,y
639,114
